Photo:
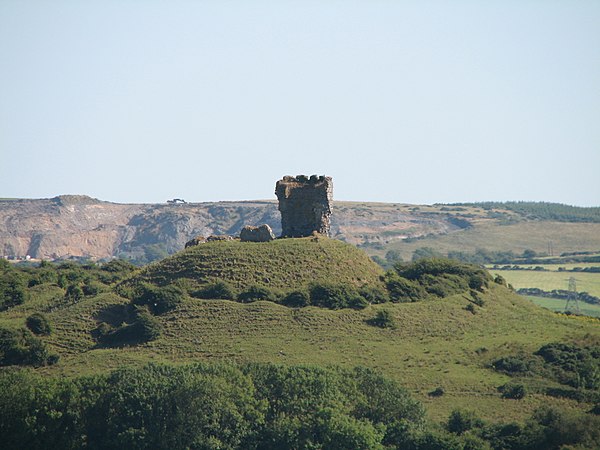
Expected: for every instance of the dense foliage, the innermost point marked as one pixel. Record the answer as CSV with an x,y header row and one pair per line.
x,y
21,347
207,406
576,367
12,286
38,324
254,406
437,277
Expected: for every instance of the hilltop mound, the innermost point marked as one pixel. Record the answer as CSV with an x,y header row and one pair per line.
x,y
281,264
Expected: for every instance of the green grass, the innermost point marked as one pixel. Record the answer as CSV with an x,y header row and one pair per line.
x,y
436,343
558,305
283,264
490,235
548,281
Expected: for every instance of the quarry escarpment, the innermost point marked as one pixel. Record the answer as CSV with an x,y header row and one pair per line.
x,y
79,226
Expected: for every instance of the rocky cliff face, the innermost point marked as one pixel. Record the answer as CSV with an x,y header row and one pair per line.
x,y
84,227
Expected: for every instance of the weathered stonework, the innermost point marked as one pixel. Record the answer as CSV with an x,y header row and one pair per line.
x,y
262,233
196,241
305,205
201,239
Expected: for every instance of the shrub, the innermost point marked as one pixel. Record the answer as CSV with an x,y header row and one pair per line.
x,y
74,293
296,299
572,364
437,392
402,289
461,421
476,277
513,391
147,328
357,301
159,299
218,290
166,299
38,324
374,294
21,347
499,279
512,364
444,285
12,290
144,328
471,308
332,295
91,288
383,319
255,292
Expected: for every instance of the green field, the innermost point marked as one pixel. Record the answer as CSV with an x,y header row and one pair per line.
x,y
558,305
517,237
438,343
550,280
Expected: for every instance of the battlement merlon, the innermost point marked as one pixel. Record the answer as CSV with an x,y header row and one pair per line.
x,y
305,204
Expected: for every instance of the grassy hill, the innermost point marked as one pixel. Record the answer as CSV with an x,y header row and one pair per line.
x,y
437,343
283,264
441,344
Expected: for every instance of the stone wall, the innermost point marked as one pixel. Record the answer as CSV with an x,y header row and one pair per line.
x,y
305,205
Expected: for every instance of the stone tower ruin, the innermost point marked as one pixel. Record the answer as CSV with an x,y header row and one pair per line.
x,y
305,205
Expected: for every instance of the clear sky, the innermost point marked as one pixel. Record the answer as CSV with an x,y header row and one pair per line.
x,y
398,101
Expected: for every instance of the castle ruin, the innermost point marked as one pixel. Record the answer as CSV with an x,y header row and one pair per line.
x,y
305,205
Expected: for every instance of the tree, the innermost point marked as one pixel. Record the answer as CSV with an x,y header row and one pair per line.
x,y
12,289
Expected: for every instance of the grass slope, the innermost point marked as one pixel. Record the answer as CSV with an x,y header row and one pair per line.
x,y
281,264
436,344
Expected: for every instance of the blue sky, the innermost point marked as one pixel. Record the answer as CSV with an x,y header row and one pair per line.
x,y
399,101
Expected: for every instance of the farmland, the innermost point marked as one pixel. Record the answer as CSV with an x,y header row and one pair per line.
x,y
551,279
558,305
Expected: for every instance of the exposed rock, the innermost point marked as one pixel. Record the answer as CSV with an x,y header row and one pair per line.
x,y
305,205
196,241
219,237
262,233
212,238
62,228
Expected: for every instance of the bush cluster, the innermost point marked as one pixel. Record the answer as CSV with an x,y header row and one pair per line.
x,y
208,406
12,286
159,300
573,365
433,277
548,428
143,327
38,324
21,347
